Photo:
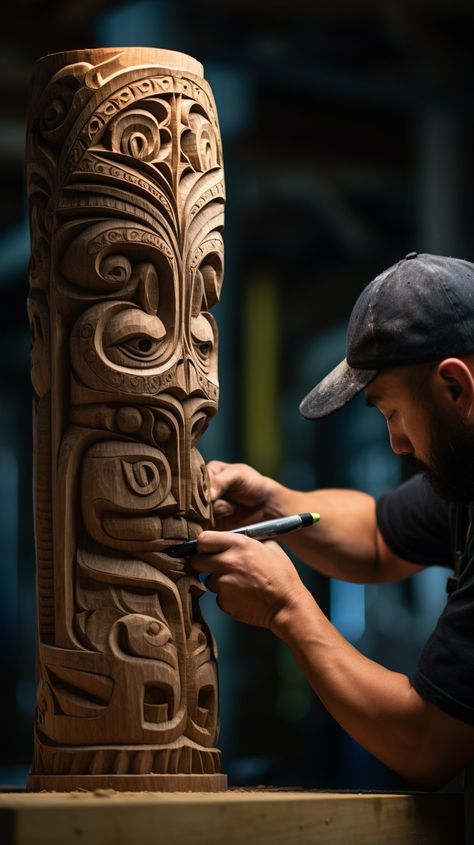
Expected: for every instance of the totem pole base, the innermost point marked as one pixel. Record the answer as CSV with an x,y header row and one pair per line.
x,y
128,783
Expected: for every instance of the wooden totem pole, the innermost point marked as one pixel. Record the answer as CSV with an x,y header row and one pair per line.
x,y
126,197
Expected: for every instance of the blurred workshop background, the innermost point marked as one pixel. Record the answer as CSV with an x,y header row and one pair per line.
x,y
348,134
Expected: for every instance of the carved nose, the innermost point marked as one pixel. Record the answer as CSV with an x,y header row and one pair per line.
x,y
191,381
192,495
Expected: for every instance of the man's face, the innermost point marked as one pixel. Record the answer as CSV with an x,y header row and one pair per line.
x,y
433,437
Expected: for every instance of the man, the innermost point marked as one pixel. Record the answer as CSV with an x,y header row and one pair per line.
x,y
410,349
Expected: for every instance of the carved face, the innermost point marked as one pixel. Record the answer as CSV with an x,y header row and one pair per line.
x,y
143,343
127,498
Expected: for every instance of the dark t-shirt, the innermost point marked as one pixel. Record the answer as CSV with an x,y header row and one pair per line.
x,y
414,523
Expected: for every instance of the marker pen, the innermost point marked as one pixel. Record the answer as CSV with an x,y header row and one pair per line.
x,y
259,531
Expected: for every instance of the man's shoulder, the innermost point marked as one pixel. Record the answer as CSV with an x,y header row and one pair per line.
x,y
414,521
418,487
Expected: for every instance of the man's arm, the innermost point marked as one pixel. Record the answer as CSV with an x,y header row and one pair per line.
x,y
257,583
345,544
376,706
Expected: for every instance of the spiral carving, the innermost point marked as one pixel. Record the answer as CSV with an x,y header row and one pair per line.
x,y
115,269
137,134
199,143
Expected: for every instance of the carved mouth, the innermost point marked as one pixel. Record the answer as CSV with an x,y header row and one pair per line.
x,y
148,528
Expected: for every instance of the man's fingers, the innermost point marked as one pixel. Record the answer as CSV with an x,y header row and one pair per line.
x,y
210,548
213,542
212,583
222,508
207,563
215,467
228,480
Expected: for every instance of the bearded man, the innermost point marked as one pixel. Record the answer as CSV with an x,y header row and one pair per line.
x,y
410,349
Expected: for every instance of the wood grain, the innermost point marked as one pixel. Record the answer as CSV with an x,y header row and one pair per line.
x,y
236,818
126,197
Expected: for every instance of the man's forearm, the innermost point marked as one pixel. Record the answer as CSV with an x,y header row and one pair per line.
x,y
343,544
376,706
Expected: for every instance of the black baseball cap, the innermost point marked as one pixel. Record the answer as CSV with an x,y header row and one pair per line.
x,y
421,309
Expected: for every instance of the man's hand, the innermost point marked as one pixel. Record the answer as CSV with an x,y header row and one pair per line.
x,y
346,544
240,495
253,580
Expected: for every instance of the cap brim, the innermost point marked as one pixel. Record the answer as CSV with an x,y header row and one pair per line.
x,y
337,389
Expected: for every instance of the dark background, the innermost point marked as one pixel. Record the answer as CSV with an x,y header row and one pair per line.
x,y
347,131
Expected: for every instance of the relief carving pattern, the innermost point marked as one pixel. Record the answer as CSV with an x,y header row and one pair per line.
x,y
126,193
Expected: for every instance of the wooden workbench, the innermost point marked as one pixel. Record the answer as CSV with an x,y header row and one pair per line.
x,y
236,817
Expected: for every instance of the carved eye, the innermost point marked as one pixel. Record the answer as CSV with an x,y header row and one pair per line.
x,y
140,346
143,477
198,428
203,338
133,338
205,349
144,344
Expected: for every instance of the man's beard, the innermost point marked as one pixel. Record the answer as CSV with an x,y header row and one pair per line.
x,y
450,464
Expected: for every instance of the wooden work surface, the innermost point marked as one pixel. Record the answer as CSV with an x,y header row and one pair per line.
x,y
253,817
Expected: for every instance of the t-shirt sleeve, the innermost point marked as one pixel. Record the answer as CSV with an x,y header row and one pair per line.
x,y
414,522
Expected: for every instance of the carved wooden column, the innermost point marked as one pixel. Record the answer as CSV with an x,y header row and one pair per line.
x,y
126,199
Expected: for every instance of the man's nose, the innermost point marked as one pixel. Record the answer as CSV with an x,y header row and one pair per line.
x,y
400,443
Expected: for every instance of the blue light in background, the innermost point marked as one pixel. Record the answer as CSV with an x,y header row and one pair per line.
x,y
9,546
145,23
347,608
15,251
26,696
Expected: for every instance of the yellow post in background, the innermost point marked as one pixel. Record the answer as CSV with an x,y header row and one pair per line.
x,y
261,366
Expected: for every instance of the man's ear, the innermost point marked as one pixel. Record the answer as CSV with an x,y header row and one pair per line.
x,y
453,383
